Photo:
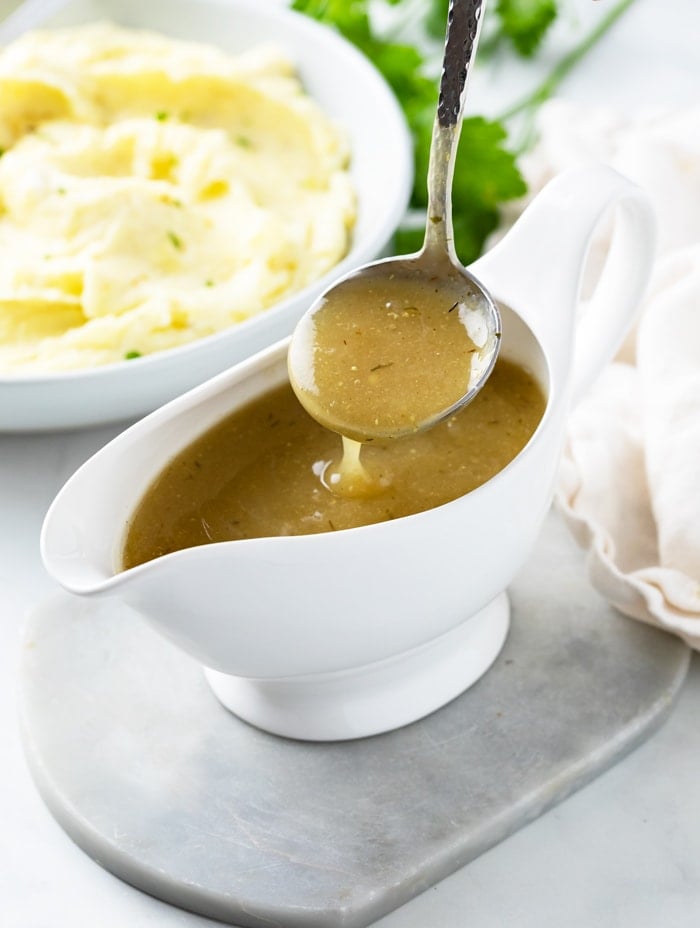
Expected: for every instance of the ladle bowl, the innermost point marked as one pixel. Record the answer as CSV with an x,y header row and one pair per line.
x,y
355,632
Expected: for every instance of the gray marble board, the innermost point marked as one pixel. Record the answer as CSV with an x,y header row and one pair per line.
x,y
161,785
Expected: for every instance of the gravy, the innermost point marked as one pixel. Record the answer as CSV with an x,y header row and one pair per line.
x,y
268,469
387,354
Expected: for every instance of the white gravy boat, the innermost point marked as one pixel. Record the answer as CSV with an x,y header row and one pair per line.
x,y
350,633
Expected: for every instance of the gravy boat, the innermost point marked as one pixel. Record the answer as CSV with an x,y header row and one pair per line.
x,y
355,632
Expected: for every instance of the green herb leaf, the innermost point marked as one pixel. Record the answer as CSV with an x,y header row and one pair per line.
x,y
348,16
436,18
175,240
526,22
486,173
486,170
161,115
130,355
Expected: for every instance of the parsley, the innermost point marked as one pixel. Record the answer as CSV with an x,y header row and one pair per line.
x,y
175,240
486,173
526,22
161,115
130,355
486,170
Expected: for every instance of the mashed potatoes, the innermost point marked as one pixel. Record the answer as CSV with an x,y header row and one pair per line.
x,y
154,191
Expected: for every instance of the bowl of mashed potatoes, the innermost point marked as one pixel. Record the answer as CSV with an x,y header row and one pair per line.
x,y
178,181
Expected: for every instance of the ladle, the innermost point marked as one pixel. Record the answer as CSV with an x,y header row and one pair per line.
x,y
401,343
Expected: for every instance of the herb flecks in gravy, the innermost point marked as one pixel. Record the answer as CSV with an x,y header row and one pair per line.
x,y
268,469
384,355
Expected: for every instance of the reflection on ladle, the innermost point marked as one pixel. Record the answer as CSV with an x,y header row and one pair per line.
x,y
401,344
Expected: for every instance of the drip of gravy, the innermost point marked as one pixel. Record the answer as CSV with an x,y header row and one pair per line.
x,y
350,477
270,469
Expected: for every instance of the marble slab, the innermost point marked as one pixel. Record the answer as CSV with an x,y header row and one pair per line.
x,y
154,779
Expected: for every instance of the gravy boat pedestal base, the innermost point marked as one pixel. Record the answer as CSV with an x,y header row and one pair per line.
x,y
377,697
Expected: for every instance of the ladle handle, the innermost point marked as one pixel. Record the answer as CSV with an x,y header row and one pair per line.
x,y
537,268
463,26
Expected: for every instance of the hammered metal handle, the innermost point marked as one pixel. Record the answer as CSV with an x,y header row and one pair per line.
x,y
463,20
463,25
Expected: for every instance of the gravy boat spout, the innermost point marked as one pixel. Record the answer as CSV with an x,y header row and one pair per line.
x,y
349,633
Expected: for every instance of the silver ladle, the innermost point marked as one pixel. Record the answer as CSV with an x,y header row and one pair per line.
x,y
399,344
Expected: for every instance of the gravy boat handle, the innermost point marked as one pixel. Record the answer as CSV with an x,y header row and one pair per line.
x,y
538,266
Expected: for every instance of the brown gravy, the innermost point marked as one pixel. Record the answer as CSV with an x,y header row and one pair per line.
x,y
267,469
385,355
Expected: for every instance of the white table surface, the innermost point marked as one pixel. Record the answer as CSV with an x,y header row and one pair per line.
x,y
624,851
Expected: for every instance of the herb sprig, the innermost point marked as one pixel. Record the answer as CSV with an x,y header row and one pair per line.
x,y
486,169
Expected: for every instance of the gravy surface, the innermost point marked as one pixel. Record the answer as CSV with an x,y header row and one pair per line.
x,y
267,469
384,355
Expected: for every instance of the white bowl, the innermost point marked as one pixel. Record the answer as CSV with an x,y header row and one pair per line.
x,y
347,87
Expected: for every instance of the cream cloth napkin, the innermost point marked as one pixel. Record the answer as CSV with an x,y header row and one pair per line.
x,y
629,484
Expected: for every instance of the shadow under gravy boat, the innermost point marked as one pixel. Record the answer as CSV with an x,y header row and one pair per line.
x,y
351,633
